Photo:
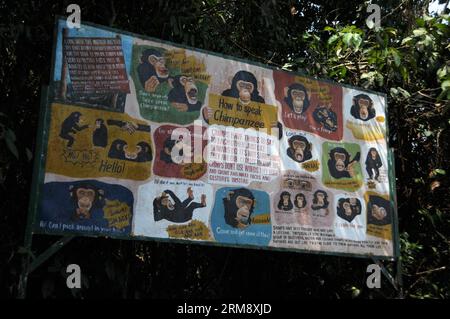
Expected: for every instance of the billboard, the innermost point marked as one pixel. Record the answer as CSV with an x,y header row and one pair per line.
x,y
149,140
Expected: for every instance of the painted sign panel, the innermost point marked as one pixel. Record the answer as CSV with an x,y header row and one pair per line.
x,y
151,140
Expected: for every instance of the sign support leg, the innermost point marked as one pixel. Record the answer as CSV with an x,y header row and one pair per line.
x,y
28,267
395,280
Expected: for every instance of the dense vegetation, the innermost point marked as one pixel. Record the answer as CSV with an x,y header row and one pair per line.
x,y
407,58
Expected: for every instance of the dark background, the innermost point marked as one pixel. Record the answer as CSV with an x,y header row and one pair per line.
x,y
407,59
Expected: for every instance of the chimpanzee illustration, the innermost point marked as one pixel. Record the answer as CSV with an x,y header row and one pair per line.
x,y
339,163
144,152
176,211
100,134
320,200
300,200
71,125
296,97
285,202
373,163
326,117
85,197
152,70
119,150
362,107
378,211
173,151
299,148
183,95
239,205
348,208
245,87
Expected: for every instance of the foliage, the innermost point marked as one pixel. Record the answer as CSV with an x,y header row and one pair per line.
x,y
407,58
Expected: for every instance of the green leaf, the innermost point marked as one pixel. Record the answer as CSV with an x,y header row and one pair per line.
x,y
442,72
427,18
420,22
391,31
428,40
396,55
28,153
287,66
404,73
356,40
419,32
347,38
174,24
404,92
406,40
440,171
333,39
445,85
12,147
10,135
328,28
393,91
355,292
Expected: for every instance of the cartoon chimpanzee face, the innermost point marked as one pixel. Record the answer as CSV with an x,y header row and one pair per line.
x,y
183,95
244,87
85,197
348,208
172,151
362,107
120,150
144,152
190,88
166,202
296,97
374,153
299,148
320,200
245,91
285,202
341,161
340,165
378,212
300,200
326,117
152,70
239,205
158,62
76,116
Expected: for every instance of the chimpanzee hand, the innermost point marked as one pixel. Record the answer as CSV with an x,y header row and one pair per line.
x,y
151,84
351,168
208,113
129,127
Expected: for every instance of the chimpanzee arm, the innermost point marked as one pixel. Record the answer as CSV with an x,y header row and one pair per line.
x,y
115,123
145,72
140,127
379,164
80,128
357,157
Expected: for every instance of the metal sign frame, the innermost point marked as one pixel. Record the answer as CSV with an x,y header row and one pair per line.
x,y
30,262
